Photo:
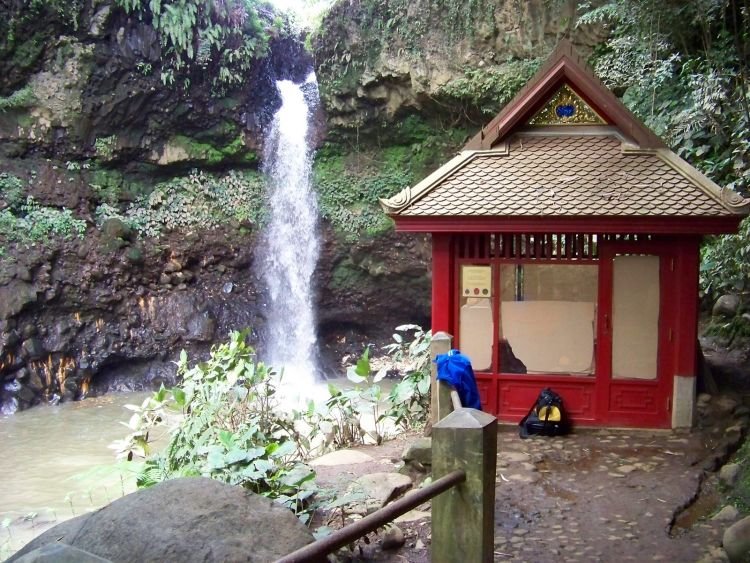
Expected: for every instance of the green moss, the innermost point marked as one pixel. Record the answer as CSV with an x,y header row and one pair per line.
x,y
347,275
27,53
350,183
212,155
225,129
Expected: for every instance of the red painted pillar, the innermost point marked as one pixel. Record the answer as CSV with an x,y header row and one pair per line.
x,y
687,309
442,283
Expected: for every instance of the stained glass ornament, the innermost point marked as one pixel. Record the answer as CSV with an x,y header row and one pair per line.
x,y
566,107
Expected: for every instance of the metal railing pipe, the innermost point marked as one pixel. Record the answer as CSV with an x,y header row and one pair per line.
x,y
317,550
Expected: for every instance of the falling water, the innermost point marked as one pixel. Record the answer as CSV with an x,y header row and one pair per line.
x,y
291,243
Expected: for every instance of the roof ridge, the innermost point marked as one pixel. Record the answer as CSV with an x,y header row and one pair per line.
x,y
563,66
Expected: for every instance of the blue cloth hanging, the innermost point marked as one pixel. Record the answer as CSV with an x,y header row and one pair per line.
x,y
455,369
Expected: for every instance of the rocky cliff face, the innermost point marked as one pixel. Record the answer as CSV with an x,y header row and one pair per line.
x,y
85,120
90,316
456,60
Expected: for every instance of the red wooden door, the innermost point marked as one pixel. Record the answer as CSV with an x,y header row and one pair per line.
x,y
635,335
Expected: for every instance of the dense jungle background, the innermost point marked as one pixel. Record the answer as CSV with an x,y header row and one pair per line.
x,y
131,195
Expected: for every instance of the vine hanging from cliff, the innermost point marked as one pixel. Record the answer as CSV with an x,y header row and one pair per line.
x,y
224,36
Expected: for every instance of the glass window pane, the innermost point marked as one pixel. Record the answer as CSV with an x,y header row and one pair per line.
x,y
547,318
476,325
635,317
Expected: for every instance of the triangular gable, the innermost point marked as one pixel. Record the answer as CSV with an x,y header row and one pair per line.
x,y
566,107
564,67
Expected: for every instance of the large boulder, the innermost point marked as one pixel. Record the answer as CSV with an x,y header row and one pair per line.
x,y
192,519
726,306
736,540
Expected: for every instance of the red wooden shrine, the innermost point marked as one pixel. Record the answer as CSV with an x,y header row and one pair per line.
x,y
565,248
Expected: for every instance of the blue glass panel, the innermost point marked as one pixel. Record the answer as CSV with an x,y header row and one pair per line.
x,y
565,110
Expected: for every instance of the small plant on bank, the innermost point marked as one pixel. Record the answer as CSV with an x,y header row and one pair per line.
x,y
36,223
409,400
407,405
17,100
199,200
11,191
105,147
230,428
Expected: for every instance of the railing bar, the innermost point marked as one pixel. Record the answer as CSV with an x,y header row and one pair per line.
x,y
317,550
456,400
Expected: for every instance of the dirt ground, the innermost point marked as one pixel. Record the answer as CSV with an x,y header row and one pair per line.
x,y
594,495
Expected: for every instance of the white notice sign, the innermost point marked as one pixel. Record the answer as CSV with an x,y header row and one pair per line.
x,y
476,281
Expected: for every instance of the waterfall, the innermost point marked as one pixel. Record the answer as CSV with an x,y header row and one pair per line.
x,y
291,242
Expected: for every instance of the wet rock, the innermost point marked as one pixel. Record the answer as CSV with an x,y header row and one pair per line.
x,y
729,474
741,411
393,538
114,228
28,331
727,514
164,279
736,540
32,349
726,404
201,327
726,306
420,451
212,522
703,399
173,266
26,394
35,382
14,297
134,255
99,21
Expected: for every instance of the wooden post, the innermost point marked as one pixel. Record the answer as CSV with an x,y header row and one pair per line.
x,y
463,518
439,394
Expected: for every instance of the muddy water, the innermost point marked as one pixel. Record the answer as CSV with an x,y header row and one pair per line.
x,y
55,464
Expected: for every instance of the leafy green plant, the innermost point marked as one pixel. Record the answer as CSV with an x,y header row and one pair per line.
x,y
105,147
484,91
17,100
11,190
682,67
221,37
231,428
725,263
36,223
199,200
409,400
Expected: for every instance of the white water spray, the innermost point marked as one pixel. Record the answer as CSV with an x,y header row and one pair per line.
x,y
291,244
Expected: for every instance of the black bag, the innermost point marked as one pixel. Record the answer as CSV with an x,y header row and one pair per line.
x,y
547,416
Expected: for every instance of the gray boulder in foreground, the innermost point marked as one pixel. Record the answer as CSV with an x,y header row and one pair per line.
x,y
185,520
736,540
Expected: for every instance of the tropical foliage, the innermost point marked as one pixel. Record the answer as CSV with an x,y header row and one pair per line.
x,y
231,428
222,38
684,68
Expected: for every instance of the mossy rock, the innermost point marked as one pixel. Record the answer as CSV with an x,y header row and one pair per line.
x,y
115,229
187,149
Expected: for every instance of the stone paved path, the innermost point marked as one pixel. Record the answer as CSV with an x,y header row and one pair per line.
x,y
595,495
598,496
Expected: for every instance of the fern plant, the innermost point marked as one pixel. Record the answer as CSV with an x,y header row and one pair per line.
x,y
221,37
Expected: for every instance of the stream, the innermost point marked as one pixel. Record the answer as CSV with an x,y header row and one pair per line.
x,y
56,464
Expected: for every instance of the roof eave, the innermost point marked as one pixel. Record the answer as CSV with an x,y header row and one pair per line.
x,y
595,224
